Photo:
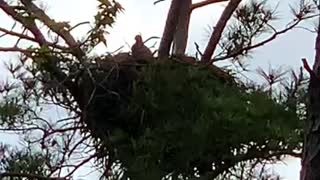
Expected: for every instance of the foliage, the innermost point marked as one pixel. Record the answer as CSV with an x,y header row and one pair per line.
x,y
23,163
213,124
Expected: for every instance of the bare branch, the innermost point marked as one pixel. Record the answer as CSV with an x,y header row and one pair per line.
x,y
16,49
205,3
58,28
156,2
26,37
217,33
30,25
170,28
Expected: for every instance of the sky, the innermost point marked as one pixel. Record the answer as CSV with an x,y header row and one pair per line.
x,y
145,18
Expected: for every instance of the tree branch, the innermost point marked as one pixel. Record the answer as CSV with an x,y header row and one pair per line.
x,y
217,33
29,176
16,49
170,29
204,3
26,37
58,28
271,38
30,25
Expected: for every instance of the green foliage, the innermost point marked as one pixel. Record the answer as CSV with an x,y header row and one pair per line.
x,y
106,15
10,112
251,21
23,162
185,117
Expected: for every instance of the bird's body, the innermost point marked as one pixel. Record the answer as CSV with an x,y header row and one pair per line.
x,y
140,51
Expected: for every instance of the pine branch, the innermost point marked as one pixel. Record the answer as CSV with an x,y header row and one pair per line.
x,y
271,38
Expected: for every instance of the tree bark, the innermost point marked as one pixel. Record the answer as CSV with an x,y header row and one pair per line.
x,y
181,35
217,33
170,28
311,151
177,26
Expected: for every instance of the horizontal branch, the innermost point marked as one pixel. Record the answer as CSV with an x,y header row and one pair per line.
x,y
204,3
29,176
26,37
16,49
271,38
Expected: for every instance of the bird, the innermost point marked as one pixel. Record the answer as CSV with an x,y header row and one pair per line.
x,y
139,51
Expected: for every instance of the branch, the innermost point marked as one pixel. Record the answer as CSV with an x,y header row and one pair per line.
x,y
29,176
16,49
271,38
169,29
156,2
307,67
251,154
204,3
217,33
23,36
30,25
58,28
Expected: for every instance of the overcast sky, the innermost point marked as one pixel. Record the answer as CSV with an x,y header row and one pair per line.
x,y
142,16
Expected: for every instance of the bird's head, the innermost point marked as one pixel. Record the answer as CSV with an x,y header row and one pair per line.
x,y
138,39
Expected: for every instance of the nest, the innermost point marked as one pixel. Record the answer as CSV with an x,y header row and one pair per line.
x,y
106,90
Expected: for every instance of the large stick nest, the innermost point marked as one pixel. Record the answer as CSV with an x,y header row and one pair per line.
x,y
107,87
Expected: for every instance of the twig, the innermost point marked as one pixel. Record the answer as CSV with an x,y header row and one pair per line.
x,y
156,2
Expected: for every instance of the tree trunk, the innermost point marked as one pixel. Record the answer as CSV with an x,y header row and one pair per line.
x,y
181,35
170,28
217,32
311,151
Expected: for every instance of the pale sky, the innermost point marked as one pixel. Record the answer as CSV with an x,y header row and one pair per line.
x,y
141,16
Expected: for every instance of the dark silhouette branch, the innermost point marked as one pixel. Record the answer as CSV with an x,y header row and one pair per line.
x,y
290,26
59,28
26,37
